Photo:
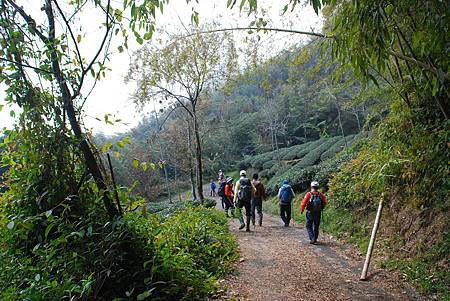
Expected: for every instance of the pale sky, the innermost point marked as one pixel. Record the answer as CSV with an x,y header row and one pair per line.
x,y
111,95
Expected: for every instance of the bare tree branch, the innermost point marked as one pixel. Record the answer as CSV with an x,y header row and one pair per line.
x,y
83,74
71,34
25,65
316,34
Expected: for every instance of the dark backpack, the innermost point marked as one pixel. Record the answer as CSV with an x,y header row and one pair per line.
x,y
245,191
286,194
221,191
315,203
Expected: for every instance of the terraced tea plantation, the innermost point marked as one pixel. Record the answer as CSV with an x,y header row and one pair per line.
x,y
302,163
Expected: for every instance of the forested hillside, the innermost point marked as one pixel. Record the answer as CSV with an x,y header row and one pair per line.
x,y
362,106
285,101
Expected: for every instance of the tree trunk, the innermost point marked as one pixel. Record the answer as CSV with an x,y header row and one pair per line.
x,y
340,122
198,157
272,143
277,148
191,173
161,157
89,157
339,114
357,119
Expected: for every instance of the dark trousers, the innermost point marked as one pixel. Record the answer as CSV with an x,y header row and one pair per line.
x,y
312,224
227,202
285,213
247,205
257,204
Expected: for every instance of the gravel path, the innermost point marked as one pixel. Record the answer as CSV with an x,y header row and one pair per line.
x,y
279,264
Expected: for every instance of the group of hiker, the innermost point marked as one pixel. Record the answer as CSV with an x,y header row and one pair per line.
x,y
250,194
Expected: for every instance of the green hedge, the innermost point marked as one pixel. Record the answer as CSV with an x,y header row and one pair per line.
x,y
301,164
337,147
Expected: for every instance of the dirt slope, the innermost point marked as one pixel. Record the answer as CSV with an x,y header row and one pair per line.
x,y
278,263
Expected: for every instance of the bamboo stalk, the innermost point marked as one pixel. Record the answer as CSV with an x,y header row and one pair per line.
x,y
372,240
114,185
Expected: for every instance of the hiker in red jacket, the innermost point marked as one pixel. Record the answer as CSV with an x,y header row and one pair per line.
x,y
315,202
228,197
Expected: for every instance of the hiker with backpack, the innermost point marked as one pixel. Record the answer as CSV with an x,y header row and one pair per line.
x,y
221,177
285,195
221,193
257,200
212,187
314,202
228,196
243,193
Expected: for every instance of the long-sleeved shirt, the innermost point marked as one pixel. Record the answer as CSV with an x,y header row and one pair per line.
x,y
229,190
237,187
308,197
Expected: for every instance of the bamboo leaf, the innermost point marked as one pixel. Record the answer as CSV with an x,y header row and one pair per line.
x,y
135,163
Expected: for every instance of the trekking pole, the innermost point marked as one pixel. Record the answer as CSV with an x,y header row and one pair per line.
x,y
293,213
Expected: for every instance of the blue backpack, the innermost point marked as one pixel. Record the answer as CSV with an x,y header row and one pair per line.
x,y
286,194
315,203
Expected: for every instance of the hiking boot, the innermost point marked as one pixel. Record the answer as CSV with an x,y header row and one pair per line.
x,y
313,242
286,225
241,220
260,221
248,224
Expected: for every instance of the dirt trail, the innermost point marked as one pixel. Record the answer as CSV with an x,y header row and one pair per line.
x,y
279,264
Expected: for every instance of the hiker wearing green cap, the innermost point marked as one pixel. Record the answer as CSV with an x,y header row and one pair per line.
x,y
285,195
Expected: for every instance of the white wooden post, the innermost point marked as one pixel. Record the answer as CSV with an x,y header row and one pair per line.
x,y
372,240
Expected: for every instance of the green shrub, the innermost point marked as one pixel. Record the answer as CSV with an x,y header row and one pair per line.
x,y
96,258
310,147
337,147
406,158
294,151
191,250
258,160
246,163
303,172
269,164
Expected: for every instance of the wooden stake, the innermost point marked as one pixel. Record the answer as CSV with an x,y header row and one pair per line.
x,y
372,240
114,185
